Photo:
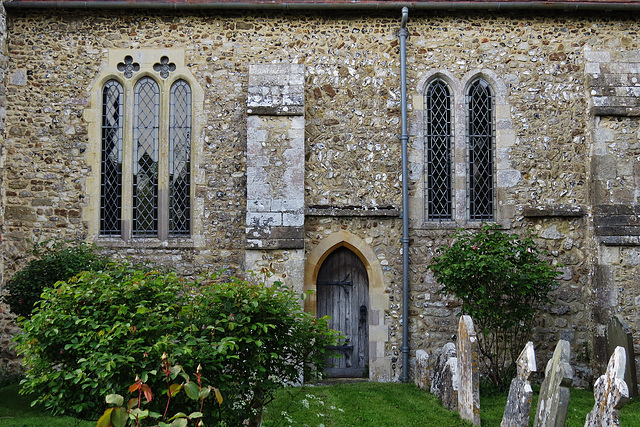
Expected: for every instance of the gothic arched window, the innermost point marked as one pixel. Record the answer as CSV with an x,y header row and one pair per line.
x,y
147,184
480,140
438,138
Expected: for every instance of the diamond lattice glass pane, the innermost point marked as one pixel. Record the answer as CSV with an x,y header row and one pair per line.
x,y
111,163
438,151
180,159
145,158
480,151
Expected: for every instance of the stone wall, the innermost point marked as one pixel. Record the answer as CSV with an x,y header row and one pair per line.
x,y
9,363
351,147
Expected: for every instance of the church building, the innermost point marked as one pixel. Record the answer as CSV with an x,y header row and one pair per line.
x,y
340,142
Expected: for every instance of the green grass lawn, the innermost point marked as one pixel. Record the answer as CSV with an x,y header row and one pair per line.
x,y
351,404
16,411
393,404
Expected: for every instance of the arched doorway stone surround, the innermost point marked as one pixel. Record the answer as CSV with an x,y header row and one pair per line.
x,y
379,362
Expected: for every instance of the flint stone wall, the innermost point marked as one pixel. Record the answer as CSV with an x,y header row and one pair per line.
x,y
352,154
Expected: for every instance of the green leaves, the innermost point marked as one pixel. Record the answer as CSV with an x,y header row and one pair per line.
x,y
501,280
89,336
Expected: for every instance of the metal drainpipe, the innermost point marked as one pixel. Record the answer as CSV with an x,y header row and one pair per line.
x,y
404,138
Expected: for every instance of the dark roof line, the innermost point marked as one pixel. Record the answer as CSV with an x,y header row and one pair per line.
x,y
365,5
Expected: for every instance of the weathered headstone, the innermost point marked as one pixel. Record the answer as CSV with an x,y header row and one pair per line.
x,y
444,381
468,374
441,356
421,370
619,334
553,401
610,392
518,409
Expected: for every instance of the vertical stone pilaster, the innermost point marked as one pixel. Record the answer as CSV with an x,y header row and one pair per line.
x,y
275,171
3,109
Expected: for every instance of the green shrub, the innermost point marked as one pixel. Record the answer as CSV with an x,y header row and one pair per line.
x,y
90,336
54,260
272,341
501,281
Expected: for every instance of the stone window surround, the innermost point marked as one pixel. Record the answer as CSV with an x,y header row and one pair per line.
x,y
504,176
146,59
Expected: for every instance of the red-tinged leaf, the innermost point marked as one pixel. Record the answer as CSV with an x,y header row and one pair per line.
x,y
132,403
218,396
147,392
105,419
174,389
133,387
119,417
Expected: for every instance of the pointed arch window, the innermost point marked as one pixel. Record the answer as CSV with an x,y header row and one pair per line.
x,y
480,141
180,159
146,118
111,178
438,139
154,174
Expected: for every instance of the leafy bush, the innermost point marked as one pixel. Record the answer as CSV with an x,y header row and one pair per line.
x,y
54,260
502,281
134,414
271,341
90,336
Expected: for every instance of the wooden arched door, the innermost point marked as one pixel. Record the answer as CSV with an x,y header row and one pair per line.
x,y
343,295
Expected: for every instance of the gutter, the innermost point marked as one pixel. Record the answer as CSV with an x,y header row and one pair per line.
x,y
404,138
320,5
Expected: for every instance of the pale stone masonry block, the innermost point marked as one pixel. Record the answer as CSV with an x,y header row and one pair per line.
x,y
292,220
264,219
596,56
261,205
509,178
287,205
592,68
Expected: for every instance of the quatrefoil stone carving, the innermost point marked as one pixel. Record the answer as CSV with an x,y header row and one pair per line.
x,y
164,67
128,67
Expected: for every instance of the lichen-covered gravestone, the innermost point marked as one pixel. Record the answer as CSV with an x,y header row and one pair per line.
x,y
516,413
619,334
468,374
610,392
444,381
421,371
553,401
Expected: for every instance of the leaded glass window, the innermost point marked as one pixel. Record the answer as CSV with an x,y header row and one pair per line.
x,y
145,157
179,158
111,162
481,142
438,136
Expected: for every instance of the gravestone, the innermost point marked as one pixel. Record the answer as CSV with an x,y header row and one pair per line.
x,y
518,409
421,370
444,381
619,334
610,392
468,374
553,401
